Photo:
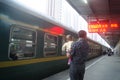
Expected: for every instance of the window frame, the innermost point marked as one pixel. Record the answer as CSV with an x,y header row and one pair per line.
x,y
44,54
34,43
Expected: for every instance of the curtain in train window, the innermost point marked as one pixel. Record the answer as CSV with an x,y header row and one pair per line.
x,y
50,45
22,43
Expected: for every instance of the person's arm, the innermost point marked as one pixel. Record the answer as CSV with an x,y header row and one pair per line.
x,y
68,54
73,47
64,47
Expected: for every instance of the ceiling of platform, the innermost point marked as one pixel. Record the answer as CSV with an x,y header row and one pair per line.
x,y
95,10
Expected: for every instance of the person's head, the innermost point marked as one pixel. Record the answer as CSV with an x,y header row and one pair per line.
x,y
82,34
69,37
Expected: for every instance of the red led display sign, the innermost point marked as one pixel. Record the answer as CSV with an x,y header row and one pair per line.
x,y
55,30
96,27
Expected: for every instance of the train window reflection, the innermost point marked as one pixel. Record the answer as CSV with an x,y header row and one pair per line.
x,y
22,43
50,45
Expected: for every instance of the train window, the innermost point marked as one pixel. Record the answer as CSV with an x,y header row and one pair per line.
x,y
50,45
22,43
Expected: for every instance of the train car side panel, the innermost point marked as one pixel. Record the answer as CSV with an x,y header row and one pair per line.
x,y
4,40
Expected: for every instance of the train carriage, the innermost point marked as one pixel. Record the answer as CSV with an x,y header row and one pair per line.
x,y
31,44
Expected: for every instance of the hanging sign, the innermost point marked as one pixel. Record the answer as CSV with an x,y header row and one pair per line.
x,y
103,26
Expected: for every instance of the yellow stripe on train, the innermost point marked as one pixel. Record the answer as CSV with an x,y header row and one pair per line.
x,y
4,64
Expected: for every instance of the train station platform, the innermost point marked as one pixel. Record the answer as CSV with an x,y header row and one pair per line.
x,y
101,68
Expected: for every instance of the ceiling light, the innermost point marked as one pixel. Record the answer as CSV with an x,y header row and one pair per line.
x,y
85,1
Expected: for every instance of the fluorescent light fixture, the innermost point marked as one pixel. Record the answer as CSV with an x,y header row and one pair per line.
x,y
85,1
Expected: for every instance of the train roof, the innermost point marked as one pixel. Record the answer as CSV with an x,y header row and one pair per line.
x,y
38,15
41,17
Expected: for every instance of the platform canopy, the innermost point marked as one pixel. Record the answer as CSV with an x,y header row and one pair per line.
x,y
96,12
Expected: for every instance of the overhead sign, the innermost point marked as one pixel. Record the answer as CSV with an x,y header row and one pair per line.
x,y
98,27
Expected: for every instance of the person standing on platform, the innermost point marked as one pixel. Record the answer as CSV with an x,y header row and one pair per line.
x,y
67,46
79,52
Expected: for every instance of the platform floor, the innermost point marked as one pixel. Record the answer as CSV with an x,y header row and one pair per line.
x,y
102,68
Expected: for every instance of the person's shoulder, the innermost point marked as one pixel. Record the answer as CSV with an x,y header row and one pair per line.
x,y
74,43
78,43
65,44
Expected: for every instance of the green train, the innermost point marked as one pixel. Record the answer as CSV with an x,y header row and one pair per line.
x,y
31,44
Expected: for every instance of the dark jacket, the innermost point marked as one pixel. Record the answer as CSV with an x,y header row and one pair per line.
x,y
79,51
